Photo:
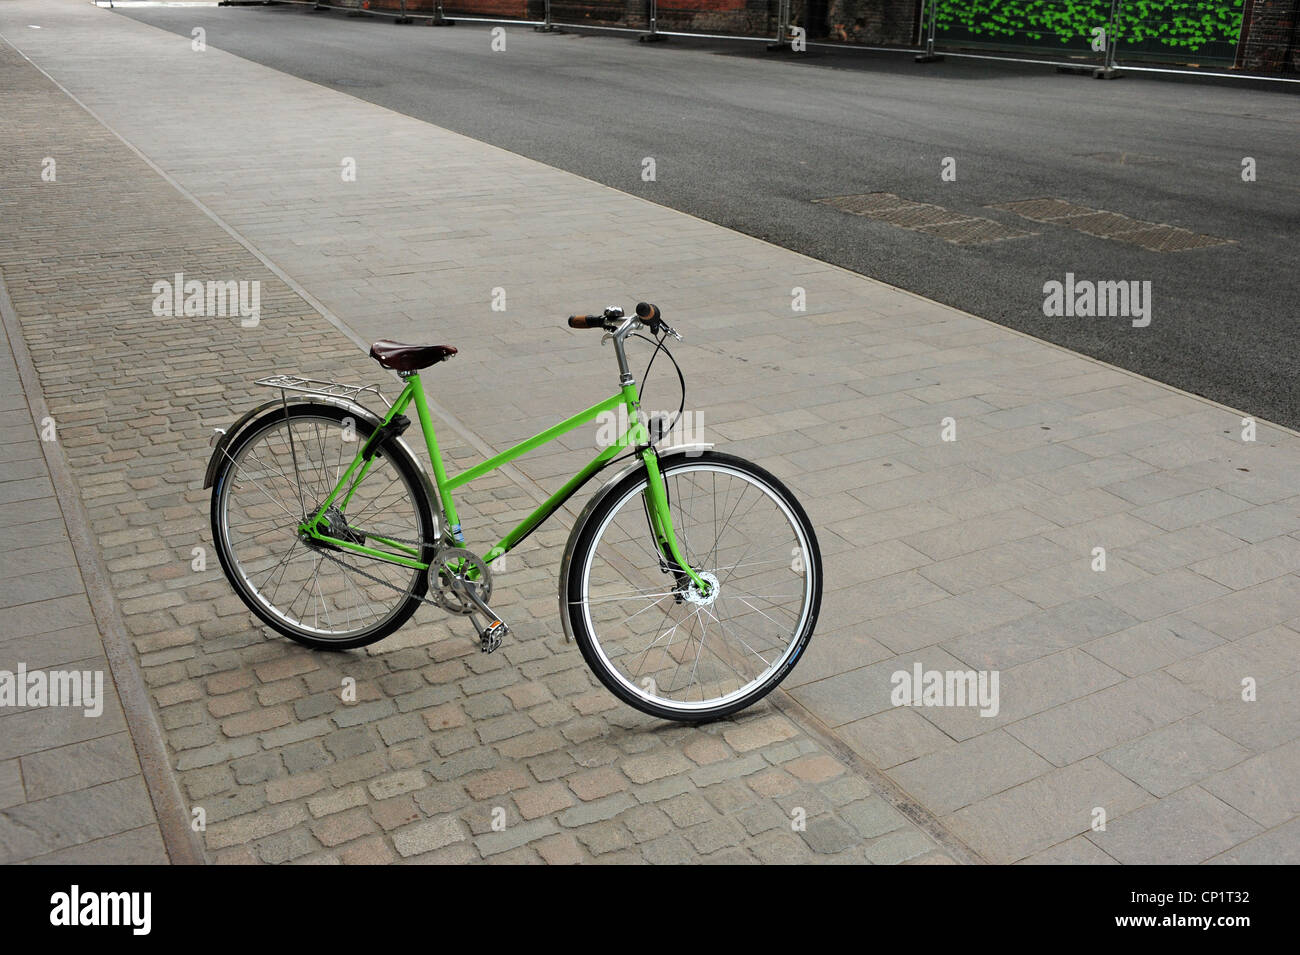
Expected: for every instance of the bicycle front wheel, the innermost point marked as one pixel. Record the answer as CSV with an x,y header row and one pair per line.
x,y
647,631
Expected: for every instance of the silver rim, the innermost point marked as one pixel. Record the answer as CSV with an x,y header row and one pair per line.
x,y
260,507
699,653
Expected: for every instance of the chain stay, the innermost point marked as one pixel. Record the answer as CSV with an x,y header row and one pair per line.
x,y
432,601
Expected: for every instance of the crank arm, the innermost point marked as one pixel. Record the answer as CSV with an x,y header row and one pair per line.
x,y
491,634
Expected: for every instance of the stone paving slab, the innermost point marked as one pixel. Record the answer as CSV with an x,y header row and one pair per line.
x,y
71,788
975,553
441,739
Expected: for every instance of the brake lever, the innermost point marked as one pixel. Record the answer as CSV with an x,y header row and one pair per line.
x,y
627,323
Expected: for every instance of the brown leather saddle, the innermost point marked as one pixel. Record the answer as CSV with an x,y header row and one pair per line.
x,y
401,357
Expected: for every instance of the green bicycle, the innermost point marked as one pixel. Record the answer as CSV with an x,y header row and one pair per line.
x,y
691,581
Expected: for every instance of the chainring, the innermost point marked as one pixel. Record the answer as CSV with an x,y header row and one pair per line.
x,y
451,563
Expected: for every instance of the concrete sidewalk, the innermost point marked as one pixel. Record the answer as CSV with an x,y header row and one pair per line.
x,y
1121,690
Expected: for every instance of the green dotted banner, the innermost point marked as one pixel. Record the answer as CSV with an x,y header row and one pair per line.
x,y
1177,26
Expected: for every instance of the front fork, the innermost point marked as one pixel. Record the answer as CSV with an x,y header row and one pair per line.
x,y
661,522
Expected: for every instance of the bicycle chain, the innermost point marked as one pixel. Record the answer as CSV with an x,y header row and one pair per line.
x,y
371,577
432,601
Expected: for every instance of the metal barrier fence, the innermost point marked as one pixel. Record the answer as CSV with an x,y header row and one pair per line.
x,y
1084,35
1172,31
719,19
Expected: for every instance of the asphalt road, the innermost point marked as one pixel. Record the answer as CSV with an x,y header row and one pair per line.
x,y
749,140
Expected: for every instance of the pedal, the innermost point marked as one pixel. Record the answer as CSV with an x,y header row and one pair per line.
x,y
489,638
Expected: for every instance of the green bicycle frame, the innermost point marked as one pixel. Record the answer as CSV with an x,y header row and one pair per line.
x,y
397,552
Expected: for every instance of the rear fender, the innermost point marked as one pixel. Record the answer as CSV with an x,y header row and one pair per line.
x,y
223,439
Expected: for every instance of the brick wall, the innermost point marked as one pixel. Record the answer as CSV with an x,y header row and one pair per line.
x,y
744,17
598,12
1270,36
740,17
506,9
890,22
853,21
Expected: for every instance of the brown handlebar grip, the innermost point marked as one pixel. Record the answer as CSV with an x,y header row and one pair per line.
x,y
587,321
646,312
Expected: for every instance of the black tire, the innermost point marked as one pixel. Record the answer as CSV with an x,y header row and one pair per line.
x,y
579,568
390,454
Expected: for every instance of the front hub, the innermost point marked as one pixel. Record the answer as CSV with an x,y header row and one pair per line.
x,y
693,594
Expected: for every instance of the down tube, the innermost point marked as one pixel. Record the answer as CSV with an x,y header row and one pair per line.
x,y
553,503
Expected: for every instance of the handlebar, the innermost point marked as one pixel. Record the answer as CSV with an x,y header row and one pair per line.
x,y
648,314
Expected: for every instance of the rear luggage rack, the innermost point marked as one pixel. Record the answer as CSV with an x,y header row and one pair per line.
x,y
326,389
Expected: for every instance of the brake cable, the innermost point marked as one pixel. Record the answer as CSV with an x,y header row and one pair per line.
x,y
681,379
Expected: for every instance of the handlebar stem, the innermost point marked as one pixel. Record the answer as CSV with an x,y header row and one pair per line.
x,y
630,324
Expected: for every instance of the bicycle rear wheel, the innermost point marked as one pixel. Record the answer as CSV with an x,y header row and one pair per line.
x,y
267,484
650,635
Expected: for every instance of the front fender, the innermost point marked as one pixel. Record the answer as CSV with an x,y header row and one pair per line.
x,y
679,450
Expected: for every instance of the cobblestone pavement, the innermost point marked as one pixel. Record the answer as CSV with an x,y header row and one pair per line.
x,y
1121,690
440,735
